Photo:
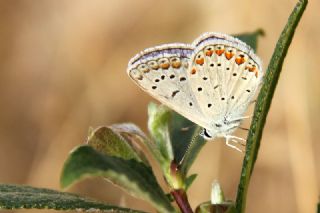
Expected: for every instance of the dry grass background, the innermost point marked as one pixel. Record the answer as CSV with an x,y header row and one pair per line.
x,y
62,69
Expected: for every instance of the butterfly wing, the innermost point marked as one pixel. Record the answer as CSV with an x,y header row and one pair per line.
x,y
162,72
213,79
224,75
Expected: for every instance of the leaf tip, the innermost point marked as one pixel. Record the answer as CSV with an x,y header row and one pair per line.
x,y
260,32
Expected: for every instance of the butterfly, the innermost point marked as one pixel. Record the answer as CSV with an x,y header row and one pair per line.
x,y
210,82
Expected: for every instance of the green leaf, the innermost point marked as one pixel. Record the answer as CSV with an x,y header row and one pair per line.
x,y
264,102
134,136
129,129
26,197
158,123
251,38
189,180
109,142
182,133
134,177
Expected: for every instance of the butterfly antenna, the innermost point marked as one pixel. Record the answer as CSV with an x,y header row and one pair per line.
x,y
236,140
244,128
189,147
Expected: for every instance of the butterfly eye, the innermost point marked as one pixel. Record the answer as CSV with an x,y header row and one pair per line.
x,y
175,62
153,65
143,68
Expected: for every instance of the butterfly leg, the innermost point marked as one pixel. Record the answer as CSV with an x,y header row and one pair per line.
x,y
239,140
230,138
236,140
233,146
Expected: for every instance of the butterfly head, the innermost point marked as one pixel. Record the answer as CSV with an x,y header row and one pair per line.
x,y
220,129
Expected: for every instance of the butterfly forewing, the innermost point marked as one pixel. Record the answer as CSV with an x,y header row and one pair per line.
x,y
162,72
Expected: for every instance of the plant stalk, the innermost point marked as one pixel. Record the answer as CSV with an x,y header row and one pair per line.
x,y
264,102
181,199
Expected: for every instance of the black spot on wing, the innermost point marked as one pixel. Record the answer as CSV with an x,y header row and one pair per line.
x,y
174,93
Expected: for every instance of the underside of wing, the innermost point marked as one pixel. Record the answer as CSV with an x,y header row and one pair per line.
x,y
162,72
224,75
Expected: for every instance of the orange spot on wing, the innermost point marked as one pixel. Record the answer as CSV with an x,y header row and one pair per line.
x,y
240,60
219,52
252,69
229,55
200,61
165,66
209,52
193,71
176,64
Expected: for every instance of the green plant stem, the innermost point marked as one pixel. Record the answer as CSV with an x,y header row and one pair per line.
x,y
264,102
181,199
176,182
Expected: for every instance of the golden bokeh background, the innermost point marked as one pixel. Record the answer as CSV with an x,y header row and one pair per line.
x,y
63,69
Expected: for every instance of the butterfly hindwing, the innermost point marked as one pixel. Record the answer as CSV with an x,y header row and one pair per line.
x,y
224,75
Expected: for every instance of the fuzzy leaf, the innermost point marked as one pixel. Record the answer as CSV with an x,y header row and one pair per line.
x,y
135,136
109,142
134,177
185,135
158,123
129,128
26,197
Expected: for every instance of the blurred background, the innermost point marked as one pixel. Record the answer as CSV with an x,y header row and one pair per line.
x,y
63,69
